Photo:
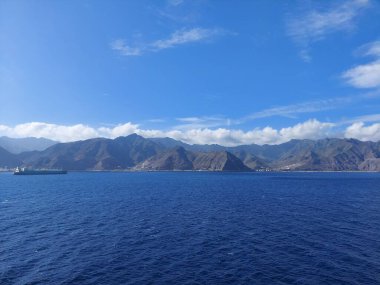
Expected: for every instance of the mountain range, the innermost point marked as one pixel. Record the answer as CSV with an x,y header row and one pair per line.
x,y
18,145
135,153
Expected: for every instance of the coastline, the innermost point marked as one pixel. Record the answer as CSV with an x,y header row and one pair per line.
x,y
213,171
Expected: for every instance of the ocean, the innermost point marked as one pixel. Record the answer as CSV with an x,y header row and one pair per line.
x,y
190,228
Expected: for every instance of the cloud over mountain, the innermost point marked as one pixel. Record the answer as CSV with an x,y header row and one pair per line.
x,y
310,129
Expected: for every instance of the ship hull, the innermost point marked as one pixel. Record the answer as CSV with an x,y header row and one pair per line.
x,y
40,172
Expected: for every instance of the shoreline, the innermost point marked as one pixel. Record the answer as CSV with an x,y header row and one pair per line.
x,y
214,171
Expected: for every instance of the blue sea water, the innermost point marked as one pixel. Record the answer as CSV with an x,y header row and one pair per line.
x,y
190,228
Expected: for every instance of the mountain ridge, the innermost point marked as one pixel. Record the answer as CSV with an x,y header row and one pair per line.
x,y
19,145
178,158
135,152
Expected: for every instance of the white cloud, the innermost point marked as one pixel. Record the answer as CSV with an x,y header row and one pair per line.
x,y
366,75
365,133
311,129
118,131
65,133
227,137
178,38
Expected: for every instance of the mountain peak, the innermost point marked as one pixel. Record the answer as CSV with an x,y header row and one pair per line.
x,y
136,152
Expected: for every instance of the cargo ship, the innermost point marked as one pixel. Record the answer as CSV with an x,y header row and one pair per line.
x,y
28,171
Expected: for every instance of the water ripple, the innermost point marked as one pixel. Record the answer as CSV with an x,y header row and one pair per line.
x,y
190,228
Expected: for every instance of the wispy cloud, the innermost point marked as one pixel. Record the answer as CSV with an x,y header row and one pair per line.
x,y
361,119
368,118
370,49
366,75
156,120
304,107
288,111
178,38
202,122
121,46
316,25
186,36
175,2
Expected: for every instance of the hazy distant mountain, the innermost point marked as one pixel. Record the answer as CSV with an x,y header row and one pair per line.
x,y
7,159
136,152
251,160
94,154
180,159
25,144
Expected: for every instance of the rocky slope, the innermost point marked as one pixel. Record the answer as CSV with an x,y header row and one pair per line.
x,y
175,159
180,159
327,155
218,161
319,155
94,154
370,164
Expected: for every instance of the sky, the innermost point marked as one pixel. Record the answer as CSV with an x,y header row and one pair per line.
x,y
201,71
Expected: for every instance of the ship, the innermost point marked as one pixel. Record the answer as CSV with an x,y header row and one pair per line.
x,y
28,171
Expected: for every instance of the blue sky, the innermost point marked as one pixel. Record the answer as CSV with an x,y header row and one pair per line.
x,y
226,72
